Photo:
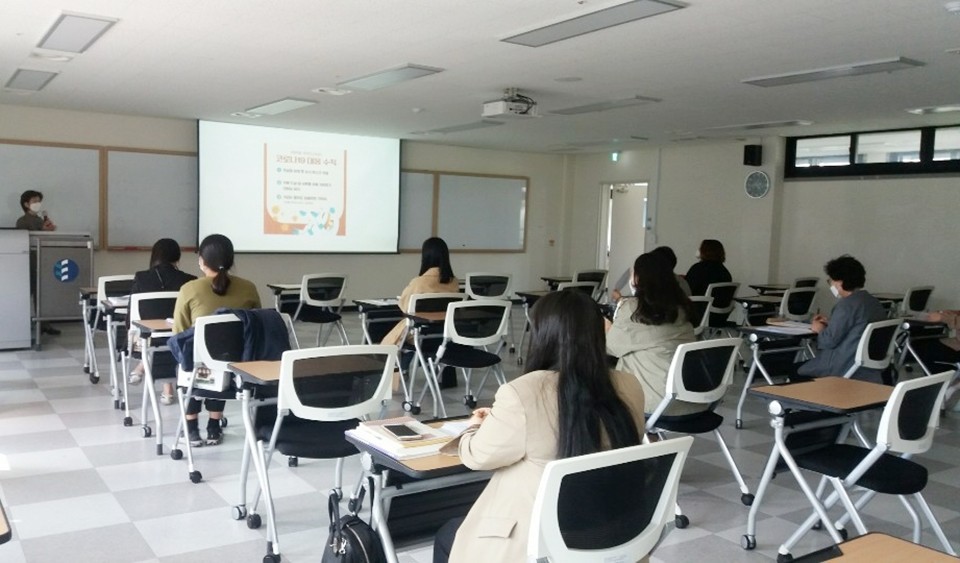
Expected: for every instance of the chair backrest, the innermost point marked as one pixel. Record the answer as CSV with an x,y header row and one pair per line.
x,y
114,286
876,347
700,372
701,320
152,305
291,332
722,294
607,506
218,341
912,413
599,277
336,382
485,285
590,288
797,303
806,282
476,323
323,290
432,303
915,300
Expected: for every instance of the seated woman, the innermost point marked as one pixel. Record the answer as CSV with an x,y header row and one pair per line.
x,y
436,276
709,269
570,404
164,275
838,337
202,297
648,327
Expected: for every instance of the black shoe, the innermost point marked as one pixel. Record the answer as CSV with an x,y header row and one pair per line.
x,y
214,433
193,436
46,328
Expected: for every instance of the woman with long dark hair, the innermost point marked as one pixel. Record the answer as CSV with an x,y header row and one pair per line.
x,y
648,327
570,404
436,276
202,297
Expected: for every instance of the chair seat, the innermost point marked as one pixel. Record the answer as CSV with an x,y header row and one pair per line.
x,y
778,344
317,315
460,356
890,474
699,423
311,439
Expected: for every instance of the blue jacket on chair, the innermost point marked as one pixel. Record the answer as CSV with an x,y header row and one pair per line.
x,y
264,337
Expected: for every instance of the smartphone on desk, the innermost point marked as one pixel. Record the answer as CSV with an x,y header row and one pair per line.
x,y
402,432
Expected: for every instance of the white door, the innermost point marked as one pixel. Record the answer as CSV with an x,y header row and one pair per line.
x,y
625,217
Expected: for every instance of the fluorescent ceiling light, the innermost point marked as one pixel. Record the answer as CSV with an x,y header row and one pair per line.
x,y
762,125
853,69
75,33
462,127
389,77
280,106
604,106
594,21
934,109
30,80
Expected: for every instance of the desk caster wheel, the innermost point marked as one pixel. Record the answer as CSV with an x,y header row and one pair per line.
x,y
127,421
415,409
159,449
738,424
293,461
470,401
843,533
818,525
123,405
748,542
271,558
94,378
407,406
86,369
253,521
223,422
682,521
239,512
784,558
116,404
195,477
519,361
146,431
176,454
746,499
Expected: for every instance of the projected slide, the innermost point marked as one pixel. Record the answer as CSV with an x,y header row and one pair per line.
x,y
281,190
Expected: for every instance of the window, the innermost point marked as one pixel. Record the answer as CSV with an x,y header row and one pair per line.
x,y
922,150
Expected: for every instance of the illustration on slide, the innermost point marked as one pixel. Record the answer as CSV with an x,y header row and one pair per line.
x,y
305,190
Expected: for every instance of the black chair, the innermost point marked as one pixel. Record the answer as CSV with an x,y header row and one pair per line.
x,y
598,277
721,307
915,301
321,300
906,428
877,346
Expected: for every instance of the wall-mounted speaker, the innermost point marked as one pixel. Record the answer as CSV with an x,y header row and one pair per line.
x,y
752,155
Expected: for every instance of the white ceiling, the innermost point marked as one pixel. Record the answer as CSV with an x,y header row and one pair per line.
x,y
204,59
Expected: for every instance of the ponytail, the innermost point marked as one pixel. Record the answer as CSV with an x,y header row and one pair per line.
x,y
217,254
221,282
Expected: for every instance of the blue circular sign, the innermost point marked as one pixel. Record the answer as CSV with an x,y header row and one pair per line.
x,y
65,270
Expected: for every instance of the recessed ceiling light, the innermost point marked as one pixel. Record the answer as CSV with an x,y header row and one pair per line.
x,y
934,109
331,91
954,51
30,80
568,79
53,56
389,77
593,21
75,33
852,69
483,123
248,115
604,106
281,106
762,125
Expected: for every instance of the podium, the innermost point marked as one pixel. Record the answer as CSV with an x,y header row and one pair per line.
x,y
62,264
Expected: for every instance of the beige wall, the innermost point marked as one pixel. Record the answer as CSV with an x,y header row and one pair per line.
x,y
899,228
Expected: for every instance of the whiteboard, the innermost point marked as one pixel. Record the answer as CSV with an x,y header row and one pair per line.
x,y
482,212
151,196
416,209
68,177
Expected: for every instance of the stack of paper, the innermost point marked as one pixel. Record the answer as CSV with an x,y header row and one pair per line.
x,y
373,434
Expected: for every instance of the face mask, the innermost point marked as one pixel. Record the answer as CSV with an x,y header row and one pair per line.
x,y
633,289
698,255
835,291
36,207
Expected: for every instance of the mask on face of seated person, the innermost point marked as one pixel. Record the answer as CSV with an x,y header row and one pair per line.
x,y
835,291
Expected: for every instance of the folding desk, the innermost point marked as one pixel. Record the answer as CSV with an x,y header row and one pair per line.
x,y
376,311
769,288
554,281
875,546
831,395
281,290
919,329
754,305
769,339
428,473
115,307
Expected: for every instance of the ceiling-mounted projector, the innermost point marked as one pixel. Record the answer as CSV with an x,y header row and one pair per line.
x,y
513,104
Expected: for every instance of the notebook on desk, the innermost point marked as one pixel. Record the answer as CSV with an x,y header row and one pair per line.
x,y
432,438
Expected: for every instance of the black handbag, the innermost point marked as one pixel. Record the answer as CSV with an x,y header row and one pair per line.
x,y
351,540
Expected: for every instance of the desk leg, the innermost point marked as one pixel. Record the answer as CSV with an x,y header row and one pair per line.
x,y
746,385
259,464
112,351
378,515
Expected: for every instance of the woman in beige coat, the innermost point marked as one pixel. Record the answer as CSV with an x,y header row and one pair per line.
x,y
570,404
436,276
648,327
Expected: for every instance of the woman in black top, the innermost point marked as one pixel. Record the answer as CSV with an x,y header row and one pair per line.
x,y
163,275
709,269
